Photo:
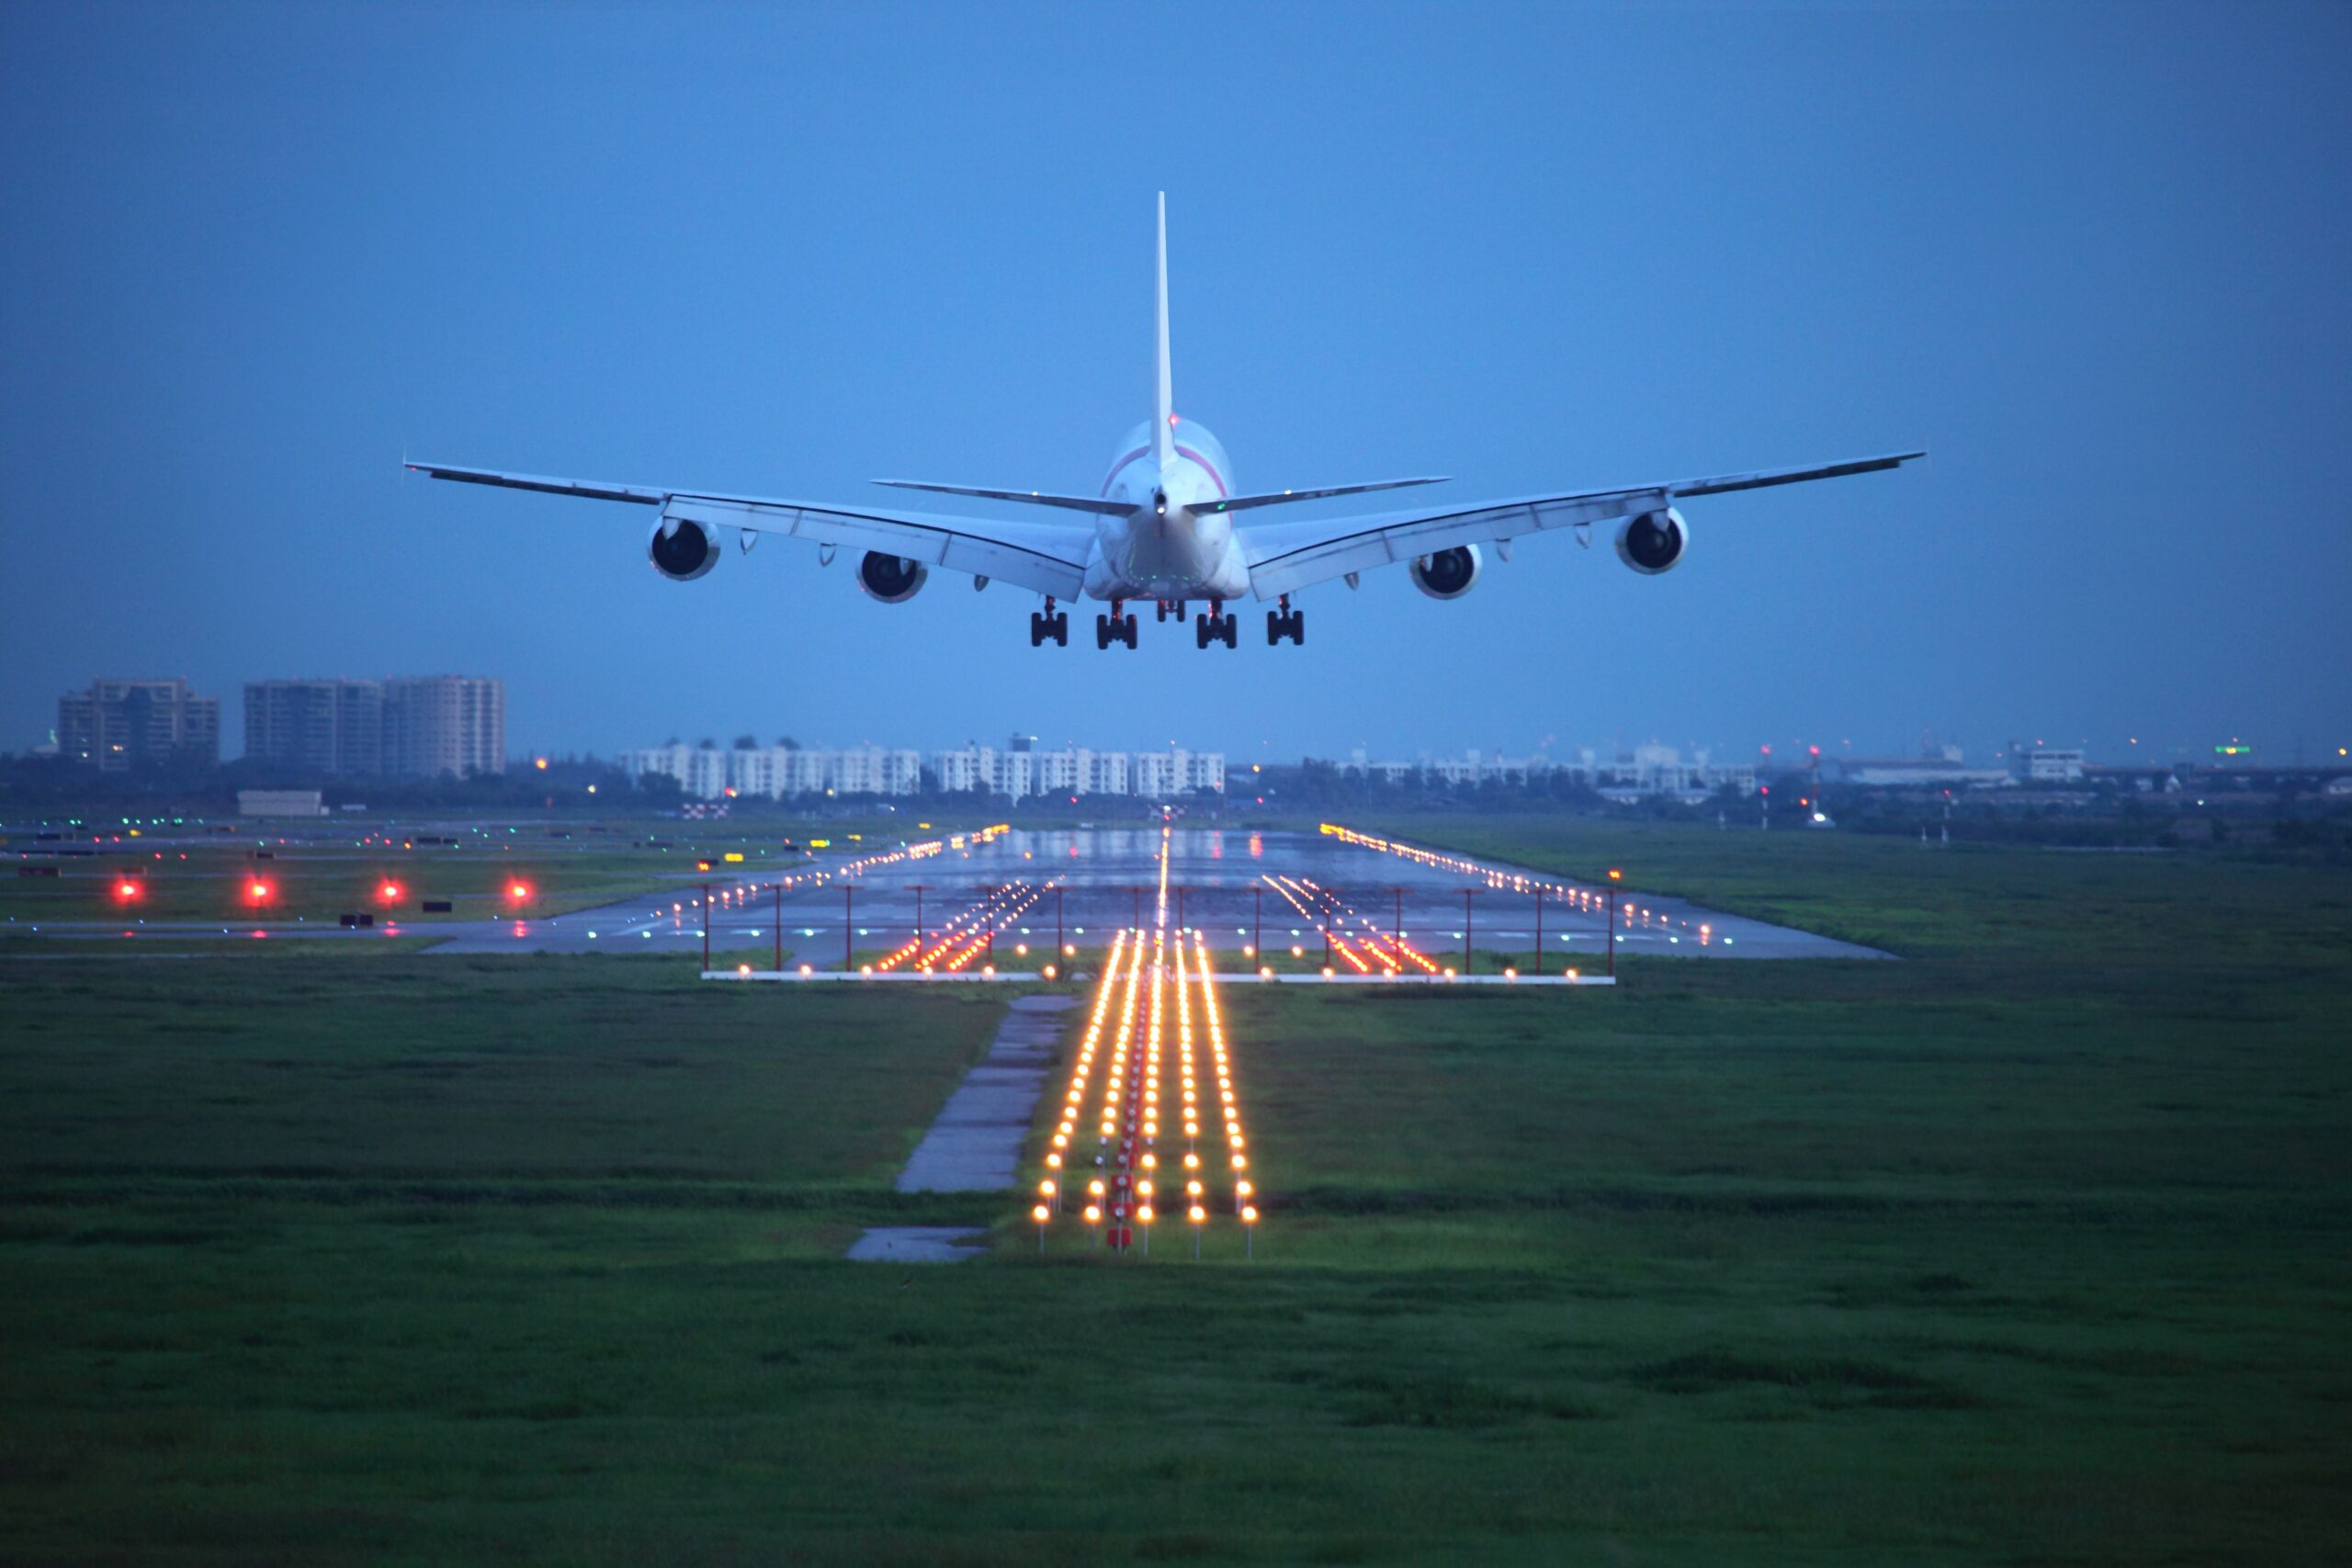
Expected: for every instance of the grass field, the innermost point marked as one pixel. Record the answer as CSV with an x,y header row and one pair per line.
x,y
2036,1248
314,870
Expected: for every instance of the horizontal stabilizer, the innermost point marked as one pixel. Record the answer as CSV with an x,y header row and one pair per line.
x,y
1244,503
1102,504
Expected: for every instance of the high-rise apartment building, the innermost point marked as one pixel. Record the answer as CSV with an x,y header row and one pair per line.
x,y
443,723
332,727
117,725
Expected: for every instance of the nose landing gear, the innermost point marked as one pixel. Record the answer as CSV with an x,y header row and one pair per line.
x,y
1285,622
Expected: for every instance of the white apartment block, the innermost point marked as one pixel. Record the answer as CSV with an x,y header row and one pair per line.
x,y
711,773
1645,770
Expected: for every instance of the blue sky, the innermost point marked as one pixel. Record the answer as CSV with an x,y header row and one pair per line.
x,y
2092,256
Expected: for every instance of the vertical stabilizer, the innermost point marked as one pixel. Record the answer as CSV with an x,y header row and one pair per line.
x,y
1163,423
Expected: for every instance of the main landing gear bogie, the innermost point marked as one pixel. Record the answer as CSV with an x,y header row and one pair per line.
x,y
1049,622
1285,622
1120,629
1218,627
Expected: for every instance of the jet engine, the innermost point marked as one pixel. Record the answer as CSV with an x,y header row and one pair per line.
x,y
683,552
1653,542
1447,574
894,580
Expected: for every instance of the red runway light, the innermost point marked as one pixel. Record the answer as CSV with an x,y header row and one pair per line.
x,y
518,891
389,893
125,890
258,891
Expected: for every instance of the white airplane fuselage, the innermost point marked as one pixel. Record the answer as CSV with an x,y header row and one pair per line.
x,y
1174,543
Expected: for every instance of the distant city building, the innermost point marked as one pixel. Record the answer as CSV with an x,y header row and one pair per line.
x,y
335,727
1643,770
1943,769
117,725
443,723
2046,765
280,803
418,725
1017,772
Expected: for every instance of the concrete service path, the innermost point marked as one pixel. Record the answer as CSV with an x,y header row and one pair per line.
x,y
974,1144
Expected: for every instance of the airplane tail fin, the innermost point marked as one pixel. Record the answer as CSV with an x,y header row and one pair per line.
x,y
1163,423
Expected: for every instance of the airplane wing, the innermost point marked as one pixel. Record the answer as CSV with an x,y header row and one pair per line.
x,y
1046,558
1281,497
1286,557
1101,504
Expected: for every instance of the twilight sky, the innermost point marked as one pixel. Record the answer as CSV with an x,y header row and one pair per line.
x,y
2097,258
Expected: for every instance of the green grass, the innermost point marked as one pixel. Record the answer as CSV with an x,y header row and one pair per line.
x,y
2035,1247
318,871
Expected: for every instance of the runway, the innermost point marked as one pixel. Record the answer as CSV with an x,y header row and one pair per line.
x,y
1278,890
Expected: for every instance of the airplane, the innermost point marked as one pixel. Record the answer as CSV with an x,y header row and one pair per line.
x,y
1169,525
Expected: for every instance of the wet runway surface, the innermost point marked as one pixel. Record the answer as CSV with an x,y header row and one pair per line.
x,y
1238,886
1241,888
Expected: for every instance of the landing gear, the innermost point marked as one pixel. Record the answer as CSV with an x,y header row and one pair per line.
x,y
1050,624
1285,622
1216,626
1114,627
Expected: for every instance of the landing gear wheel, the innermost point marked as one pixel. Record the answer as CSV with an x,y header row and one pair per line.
x,y
1131,633
1225,630
1101,632
1274,619
1160,609
1281,624
1061,629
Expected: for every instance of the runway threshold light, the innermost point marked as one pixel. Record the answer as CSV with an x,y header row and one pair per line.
x,y
389,893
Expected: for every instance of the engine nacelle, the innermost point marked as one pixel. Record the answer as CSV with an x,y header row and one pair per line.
x,y
893,580
684,553
1653,542
1447,574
